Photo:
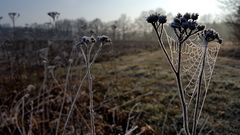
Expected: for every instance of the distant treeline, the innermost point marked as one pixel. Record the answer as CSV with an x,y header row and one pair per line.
x,y
121,29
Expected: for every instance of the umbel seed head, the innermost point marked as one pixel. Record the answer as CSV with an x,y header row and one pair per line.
x,y
192,24
87,40
187,16
54,15
200,27
179,15
104,39
154,18
211,35
162,19
187,21
194,16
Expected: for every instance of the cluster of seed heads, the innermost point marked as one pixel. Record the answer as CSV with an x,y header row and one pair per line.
x,y
13,14
104,39
211,35
187,21
54,15
185,26
87,40
157,18
90,40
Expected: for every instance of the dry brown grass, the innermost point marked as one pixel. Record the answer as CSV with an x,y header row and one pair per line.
x,y
120,83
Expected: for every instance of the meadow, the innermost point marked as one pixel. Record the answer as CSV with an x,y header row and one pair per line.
x,y
134,92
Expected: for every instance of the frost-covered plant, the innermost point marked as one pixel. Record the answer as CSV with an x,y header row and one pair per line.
x,y
90,48
190,56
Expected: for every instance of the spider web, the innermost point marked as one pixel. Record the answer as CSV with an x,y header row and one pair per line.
x,y
191,62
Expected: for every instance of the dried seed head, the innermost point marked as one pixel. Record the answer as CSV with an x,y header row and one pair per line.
x,y
93,40
30,87
86,40
187,21
13,14
54,15
185,25
70,60
162,19
104,39
153,18
175,25
200,27
194,16
177,20
211,35
192,24
187,16
179,15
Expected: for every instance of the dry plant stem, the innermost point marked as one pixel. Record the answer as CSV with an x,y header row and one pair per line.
x,y
90,80
86,76
31,120
181,93
64,93
64,96
203,125
74,101
44,91
129,117
166,115
196,112
95,56
19,129
159,36
131,130
204,98
178,77
91,110
44,81
23,113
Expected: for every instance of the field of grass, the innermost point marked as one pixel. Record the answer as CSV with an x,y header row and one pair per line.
x,y
132,90
148,72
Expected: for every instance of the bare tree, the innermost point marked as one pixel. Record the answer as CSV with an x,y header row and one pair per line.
x,y
96,25
123,25
141,25
80,26
233,16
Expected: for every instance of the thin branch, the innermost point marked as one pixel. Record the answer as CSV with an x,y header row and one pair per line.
x,y
159,36
199,92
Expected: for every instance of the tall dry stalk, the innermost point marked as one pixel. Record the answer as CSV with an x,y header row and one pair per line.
x,y
184,27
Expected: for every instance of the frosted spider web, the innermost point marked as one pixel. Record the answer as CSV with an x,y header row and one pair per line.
x,y
191,62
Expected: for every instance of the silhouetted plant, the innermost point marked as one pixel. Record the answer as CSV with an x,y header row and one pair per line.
x,y
1,19
54,15
190,41
86,45
13,16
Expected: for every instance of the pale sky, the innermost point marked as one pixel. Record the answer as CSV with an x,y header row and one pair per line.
x,y
107,10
